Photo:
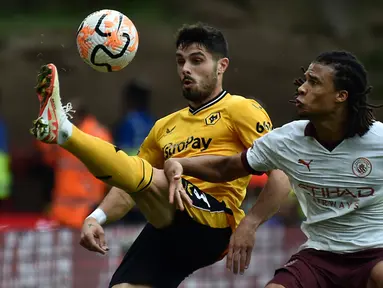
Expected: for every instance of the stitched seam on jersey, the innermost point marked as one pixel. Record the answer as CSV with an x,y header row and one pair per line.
x,y
212,102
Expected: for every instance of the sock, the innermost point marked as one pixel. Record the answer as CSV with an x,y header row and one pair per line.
x,y
65,131
107,162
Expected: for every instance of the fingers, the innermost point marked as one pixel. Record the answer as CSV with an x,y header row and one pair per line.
x,y
185,197
173,187
102,241
238,258
248,258
178,193
180,204
88,241
229,257
242,260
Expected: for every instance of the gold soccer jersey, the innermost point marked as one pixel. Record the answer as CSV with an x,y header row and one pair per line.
x,y
225,126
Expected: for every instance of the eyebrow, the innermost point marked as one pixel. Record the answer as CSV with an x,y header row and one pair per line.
x,y
313,77
192,54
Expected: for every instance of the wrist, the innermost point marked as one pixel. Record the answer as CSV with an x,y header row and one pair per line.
x,y
99,215
253,221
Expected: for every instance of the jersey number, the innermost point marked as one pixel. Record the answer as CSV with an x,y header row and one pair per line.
x,y
261,127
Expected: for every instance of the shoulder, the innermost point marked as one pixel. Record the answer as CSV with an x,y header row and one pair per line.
x,y
237,105
376,129
290,131
162,124
374,134
370,144
295,127
241,101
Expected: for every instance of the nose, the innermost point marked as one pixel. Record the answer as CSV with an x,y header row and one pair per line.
x,y
186,69
302,90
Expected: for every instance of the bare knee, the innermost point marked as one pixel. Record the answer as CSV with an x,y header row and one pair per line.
x,y
274,286
126,285
155,207
376,276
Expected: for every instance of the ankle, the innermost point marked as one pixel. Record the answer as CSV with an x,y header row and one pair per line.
x,y
65,131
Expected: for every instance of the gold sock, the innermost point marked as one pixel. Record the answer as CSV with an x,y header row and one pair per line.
x,y
108,163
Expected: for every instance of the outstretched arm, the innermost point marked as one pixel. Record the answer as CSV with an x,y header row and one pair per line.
x,y
209,168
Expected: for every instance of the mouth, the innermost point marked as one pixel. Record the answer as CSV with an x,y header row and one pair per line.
x,y
187,83
296,102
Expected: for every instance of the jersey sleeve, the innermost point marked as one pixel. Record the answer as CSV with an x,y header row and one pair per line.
x,y
249,120
150,151
263,155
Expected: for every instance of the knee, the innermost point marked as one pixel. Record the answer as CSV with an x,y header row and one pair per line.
x,y
274,286
376,276
156,209
160,222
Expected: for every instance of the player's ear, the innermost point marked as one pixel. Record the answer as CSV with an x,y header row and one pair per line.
x,y
341,96
222,65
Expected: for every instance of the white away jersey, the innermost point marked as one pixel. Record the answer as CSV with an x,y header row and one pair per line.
x,y
340,192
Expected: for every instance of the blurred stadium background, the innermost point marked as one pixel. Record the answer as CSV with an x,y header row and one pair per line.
x,y
269,41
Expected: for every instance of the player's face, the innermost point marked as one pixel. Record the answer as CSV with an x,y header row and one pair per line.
x,y
197,70
317,96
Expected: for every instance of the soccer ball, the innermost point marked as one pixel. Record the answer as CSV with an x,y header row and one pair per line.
x,y
107,40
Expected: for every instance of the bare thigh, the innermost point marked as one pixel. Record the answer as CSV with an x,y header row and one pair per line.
x,y
155,206
376,276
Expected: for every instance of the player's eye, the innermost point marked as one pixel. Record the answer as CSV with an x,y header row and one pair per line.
x,y
197,60
313,82
180,61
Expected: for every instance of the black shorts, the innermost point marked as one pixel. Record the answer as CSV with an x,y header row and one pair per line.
x,y
163,258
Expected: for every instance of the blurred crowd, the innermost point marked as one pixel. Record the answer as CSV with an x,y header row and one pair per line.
x,y
61,187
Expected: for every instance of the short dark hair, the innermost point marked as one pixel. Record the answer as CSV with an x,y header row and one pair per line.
x,y
202,34
350,75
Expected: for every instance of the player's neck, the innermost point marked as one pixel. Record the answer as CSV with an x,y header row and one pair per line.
x,y
332,128
215,93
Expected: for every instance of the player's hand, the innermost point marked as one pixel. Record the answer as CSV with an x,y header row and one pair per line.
x,y
240,247
173,171
93,236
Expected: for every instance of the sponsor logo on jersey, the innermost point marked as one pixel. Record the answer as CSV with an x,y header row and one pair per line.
x,y
306,163
337,197
361,167
168,131
195,143
337,192
213,118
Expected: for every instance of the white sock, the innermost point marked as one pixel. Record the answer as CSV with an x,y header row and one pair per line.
x,y
65,131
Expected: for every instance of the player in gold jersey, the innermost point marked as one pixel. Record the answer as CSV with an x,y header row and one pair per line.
x,y
216,123
223,126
